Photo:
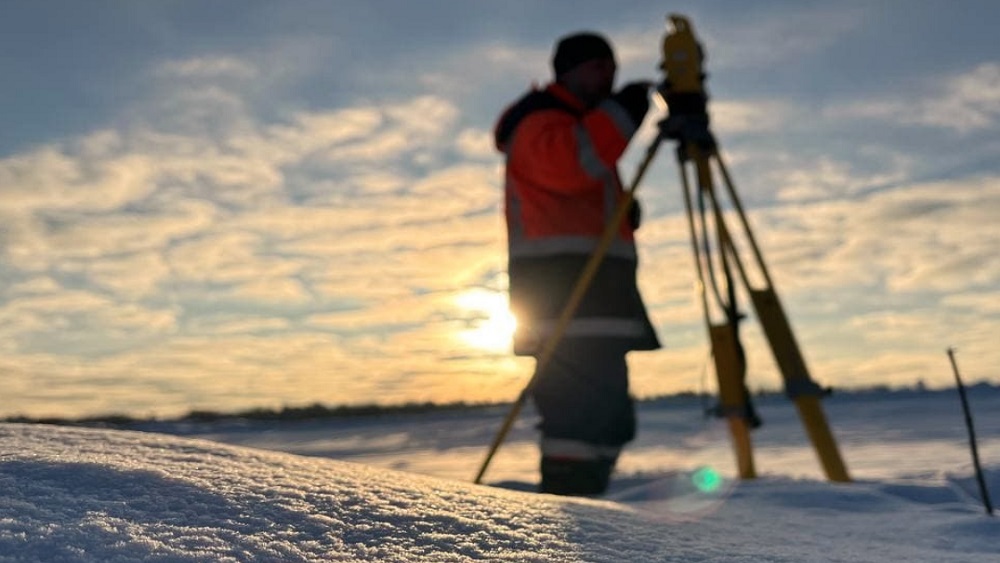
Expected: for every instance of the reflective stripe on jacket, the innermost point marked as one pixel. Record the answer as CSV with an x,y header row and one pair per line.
x,y
561,188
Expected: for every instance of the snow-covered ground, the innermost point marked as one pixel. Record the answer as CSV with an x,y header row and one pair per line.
x,y
397,488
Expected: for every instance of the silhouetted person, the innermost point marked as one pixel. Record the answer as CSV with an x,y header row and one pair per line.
x,y
562,187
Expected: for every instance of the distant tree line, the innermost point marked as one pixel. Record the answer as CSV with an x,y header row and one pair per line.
x,y
289,413
319,411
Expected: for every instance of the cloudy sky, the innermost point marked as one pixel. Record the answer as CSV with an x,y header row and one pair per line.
x,y
240,204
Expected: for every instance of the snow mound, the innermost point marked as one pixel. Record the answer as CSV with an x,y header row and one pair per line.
x,y
74,494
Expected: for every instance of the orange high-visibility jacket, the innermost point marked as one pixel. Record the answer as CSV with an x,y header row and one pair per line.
x,y
561,188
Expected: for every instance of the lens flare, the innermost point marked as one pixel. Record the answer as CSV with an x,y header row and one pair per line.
x,y
679,496
683,481
706,479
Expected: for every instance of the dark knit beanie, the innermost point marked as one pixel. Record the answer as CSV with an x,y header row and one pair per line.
x,y
578,48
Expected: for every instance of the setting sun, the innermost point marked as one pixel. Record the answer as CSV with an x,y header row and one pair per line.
x,y
493,324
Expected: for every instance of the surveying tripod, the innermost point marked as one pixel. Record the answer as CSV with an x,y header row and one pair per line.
x,y
687,123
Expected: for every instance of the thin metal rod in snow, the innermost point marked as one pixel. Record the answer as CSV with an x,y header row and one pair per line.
x,y
972,435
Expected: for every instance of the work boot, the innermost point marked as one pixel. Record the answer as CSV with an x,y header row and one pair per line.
x,y
577,477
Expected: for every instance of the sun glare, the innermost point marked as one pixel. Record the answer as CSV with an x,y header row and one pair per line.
x,y
494,324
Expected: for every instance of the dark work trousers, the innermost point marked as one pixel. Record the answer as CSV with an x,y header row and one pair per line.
x,y
583,395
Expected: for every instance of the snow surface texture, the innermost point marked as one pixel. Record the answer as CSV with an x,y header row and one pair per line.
x,y
75,494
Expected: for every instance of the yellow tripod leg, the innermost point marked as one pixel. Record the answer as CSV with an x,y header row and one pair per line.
x,y
800,387
731,396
